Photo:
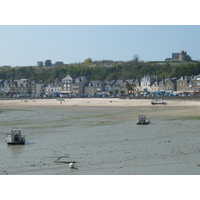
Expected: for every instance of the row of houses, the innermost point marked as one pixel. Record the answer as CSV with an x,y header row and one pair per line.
x,y
186,84
80,85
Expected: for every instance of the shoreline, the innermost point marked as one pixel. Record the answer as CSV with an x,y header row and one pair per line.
x,y
102,102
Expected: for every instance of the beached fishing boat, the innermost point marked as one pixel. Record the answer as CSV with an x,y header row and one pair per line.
x,y
15,137
157,101
142,120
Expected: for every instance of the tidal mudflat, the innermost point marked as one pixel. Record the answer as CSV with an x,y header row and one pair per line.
x,y
102,140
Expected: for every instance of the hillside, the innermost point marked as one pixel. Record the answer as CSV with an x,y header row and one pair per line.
x,y
103,70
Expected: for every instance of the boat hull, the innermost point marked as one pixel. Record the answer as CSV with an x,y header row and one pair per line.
x,y
15,143
157,101
142,123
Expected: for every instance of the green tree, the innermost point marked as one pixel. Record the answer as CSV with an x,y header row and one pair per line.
x,y
88,60
110,93
136,58
48,63
122,92
116,91
128,86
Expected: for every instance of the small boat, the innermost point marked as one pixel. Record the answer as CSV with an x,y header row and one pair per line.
x,y
157,101
142,120
15,137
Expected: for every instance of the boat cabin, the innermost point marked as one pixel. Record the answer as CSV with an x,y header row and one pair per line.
x,y
142,120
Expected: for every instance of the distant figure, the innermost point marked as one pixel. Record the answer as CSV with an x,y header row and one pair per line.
x,y
110,101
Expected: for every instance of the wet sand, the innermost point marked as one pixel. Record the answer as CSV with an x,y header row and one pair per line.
x,y
101,135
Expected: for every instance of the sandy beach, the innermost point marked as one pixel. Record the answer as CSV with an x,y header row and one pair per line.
x,y
101,136
92,102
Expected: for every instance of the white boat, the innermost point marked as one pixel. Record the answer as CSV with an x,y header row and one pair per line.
x,y
157,101
15,137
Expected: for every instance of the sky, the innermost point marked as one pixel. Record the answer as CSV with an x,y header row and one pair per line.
x,y
72,31
24,45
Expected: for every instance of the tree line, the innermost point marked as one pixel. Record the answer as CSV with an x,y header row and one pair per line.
x,y
102,70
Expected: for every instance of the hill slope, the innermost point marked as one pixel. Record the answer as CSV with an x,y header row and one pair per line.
x,y
103,70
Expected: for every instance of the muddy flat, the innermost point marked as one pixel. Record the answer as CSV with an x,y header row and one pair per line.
x,y
101,139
